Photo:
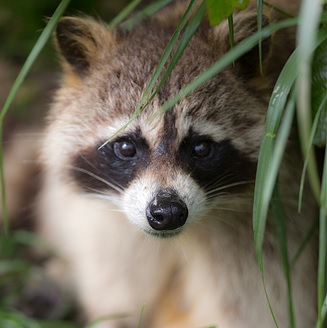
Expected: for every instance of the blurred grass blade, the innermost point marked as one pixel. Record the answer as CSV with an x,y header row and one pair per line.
x,y
313,133
323,312
277,9
39,45
15,319
322,247
124,13
280,218
14,266
101,320
306,240
141,316
319,91
231,30
30,239
310,12
148,11
259,23
5,219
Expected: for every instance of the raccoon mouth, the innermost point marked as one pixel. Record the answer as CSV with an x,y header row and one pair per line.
x,y
164,234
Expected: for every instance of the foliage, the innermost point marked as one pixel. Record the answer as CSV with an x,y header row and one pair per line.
x,y
300,90
221,9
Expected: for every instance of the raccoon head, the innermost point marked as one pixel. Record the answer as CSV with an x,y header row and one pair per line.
x,y
165,172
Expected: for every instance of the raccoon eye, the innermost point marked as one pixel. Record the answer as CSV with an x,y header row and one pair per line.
x,y
202,149
125,149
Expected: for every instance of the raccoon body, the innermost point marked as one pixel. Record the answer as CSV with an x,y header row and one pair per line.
x,y
161,213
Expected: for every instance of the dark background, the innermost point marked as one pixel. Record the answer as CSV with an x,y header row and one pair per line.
x,y
21,23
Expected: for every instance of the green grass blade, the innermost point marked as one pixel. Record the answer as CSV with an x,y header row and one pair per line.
x,y
280,218
225,61
95,323
323,312
124,13
272,149
169,48
306,240
231,30
319,90
39,45
148,11
322,247
15,319
165,56
259,23
306,35
263,187
267,181
267,164
313,133
5,219
141,316
280,11
190,29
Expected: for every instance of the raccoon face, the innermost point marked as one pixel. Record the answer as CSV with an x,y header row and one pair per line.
x,y
164,172
163,186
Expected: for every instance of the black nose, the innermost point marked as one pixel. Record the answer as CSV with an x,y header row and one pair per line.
x,y
166,211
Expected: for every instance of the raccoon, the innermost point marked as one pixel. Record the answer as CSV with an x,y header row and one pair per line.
x,y
159,215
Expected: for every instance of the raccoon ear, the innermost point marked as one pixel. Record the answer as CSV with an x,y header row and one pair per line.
x,y
245,24
81,41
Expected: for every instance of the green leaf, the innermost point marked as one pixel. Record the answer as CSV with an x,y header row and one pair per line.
x,y
15,319
322,268
313,133
307,32
280,218
319,91
271,154
227,59
39,45
259,23
221,9
146,97
278,124
190,29
124,13
267,172
323,311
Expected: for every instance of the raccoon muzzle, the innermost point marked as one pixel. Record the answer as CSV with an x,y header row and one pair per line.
x,y
166,211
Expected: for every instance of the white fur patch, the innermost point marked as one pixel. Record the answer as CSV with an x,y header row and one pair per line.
x,y
137,197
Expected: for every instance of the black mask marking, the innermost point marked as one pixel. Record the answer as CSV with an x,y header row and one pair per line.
x,y
214,165
112,166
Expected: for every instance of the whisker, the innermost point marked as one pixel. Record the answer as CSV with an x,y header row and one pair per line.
x,y
109,184
94,167
218,181
231,185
